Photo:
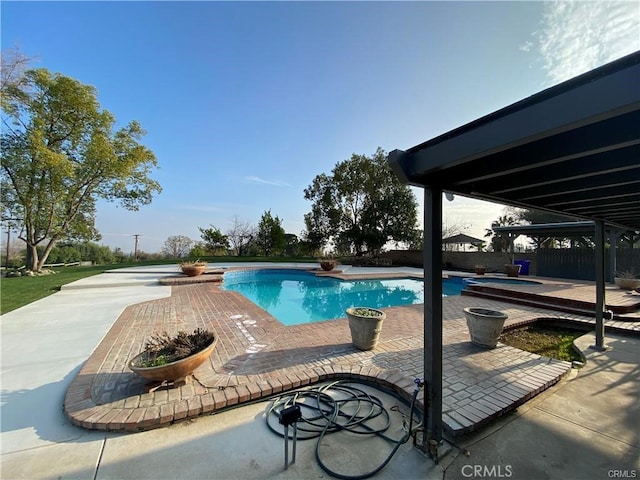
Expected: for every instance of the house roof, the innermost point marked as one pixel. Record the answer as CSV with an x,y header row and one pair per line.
x,y
462,238
572,149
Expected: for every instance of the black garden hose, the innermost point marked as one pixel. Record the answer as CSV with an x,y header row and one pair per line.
x,y
323,414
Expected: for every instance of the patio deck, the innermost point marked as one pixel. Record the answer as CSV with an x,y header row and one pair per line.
x,y
256,356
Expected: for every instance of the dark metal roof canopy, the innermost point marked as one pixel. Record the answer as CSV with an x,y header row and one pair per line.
x,y
572,149
557,230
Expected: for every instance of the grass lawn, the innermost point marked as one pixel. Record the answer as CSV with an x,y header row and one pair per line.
x,y
544,340
19,291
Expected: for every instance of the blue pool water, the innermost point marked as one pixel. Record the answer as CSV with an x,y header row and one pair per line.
x,y
295,297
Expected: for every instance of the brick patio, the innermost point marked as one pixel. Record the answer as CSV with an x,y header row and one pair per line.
x,y
256,356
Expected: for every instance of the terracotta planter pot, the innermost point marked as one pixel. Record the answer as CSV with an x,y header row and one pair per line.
x,y
512,270
327,265
480,270
485,326
193,270
365,329
627,283
174,371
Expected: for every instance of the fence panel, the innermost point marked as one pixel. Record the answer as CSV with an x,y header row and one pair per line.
x,y
580,264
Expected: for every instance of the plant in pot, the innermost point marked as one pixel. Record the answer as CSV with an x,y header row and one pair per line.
x,y
480,269
365,324
328,263
172,359
193,268
627,280
512,269
485,325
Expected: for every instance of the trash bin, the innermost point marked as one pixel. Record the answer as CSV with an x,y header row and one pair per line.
x,y
524,266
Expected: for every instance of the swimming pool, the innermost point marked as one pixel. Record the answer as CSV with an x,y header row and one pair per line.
x,y
294,296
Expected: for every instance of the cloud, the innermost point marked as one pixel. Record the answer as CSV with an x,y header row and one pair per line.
x,y
579,36
526,46
262,181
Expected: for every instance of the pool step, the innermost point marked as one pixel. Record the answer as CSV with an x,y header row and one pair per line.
x,y
207,277
528,302
579,305
548,301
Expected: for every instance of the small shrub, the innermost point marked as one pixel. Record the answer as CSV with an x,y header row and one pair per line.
x,y
163,348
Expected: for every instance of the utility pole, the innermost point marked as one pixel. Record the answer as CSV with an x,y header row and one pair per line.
x,y
135,248
6,259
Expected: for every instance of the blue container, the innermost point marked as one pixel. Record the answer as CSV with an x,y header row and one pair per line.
x,y
524,266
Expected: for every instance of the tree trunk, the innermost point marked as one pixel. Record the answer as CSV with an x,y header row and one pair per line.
x,y
31,261
46,253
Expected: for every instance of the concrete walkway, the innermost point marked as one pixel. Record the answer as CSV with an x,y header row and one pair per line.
x,y
587,427
591,419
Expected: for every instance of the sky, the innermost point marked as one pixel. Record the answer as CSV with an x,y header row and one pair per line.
x,y
244,103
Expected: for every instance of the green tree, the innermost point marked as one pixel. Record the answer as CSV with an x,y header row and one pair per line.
x,y
69,252
271,236
502,241
214,239
535,217
60,155
360,207
198,251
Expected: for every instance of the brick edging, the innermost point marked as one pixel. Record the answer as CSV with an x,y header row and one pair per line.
x,y
82,411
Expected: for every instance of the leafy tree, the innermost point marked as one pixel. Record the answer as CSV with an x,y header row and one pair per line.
x,y
214,239
533,217
240,236
60,154
69,252
318,230
502,241
198,251
292,245
361,206
271,236
13,81
177,246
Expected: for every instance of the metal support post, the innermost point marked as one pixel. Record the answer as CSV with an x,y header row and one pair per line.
x,y
289,416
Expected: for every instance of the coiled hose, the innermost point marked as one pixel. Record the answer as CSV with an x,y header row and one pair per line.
x,y
323,414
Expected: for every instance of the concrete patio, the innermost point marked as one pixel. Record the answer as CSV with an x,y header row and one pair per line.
x,y
257,357
584,426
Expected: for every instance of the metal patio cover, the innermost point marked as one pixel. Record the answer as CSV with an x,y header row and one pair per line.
x,y
572,149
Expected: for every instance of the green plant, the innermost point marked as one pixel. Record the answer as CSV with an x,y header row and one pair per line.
x,y
545,340
627,274
328,263
193,263
163,349
365,312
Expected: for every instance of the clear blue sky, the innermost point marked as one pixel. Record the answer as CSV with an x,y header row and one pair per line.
x,y
245,103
